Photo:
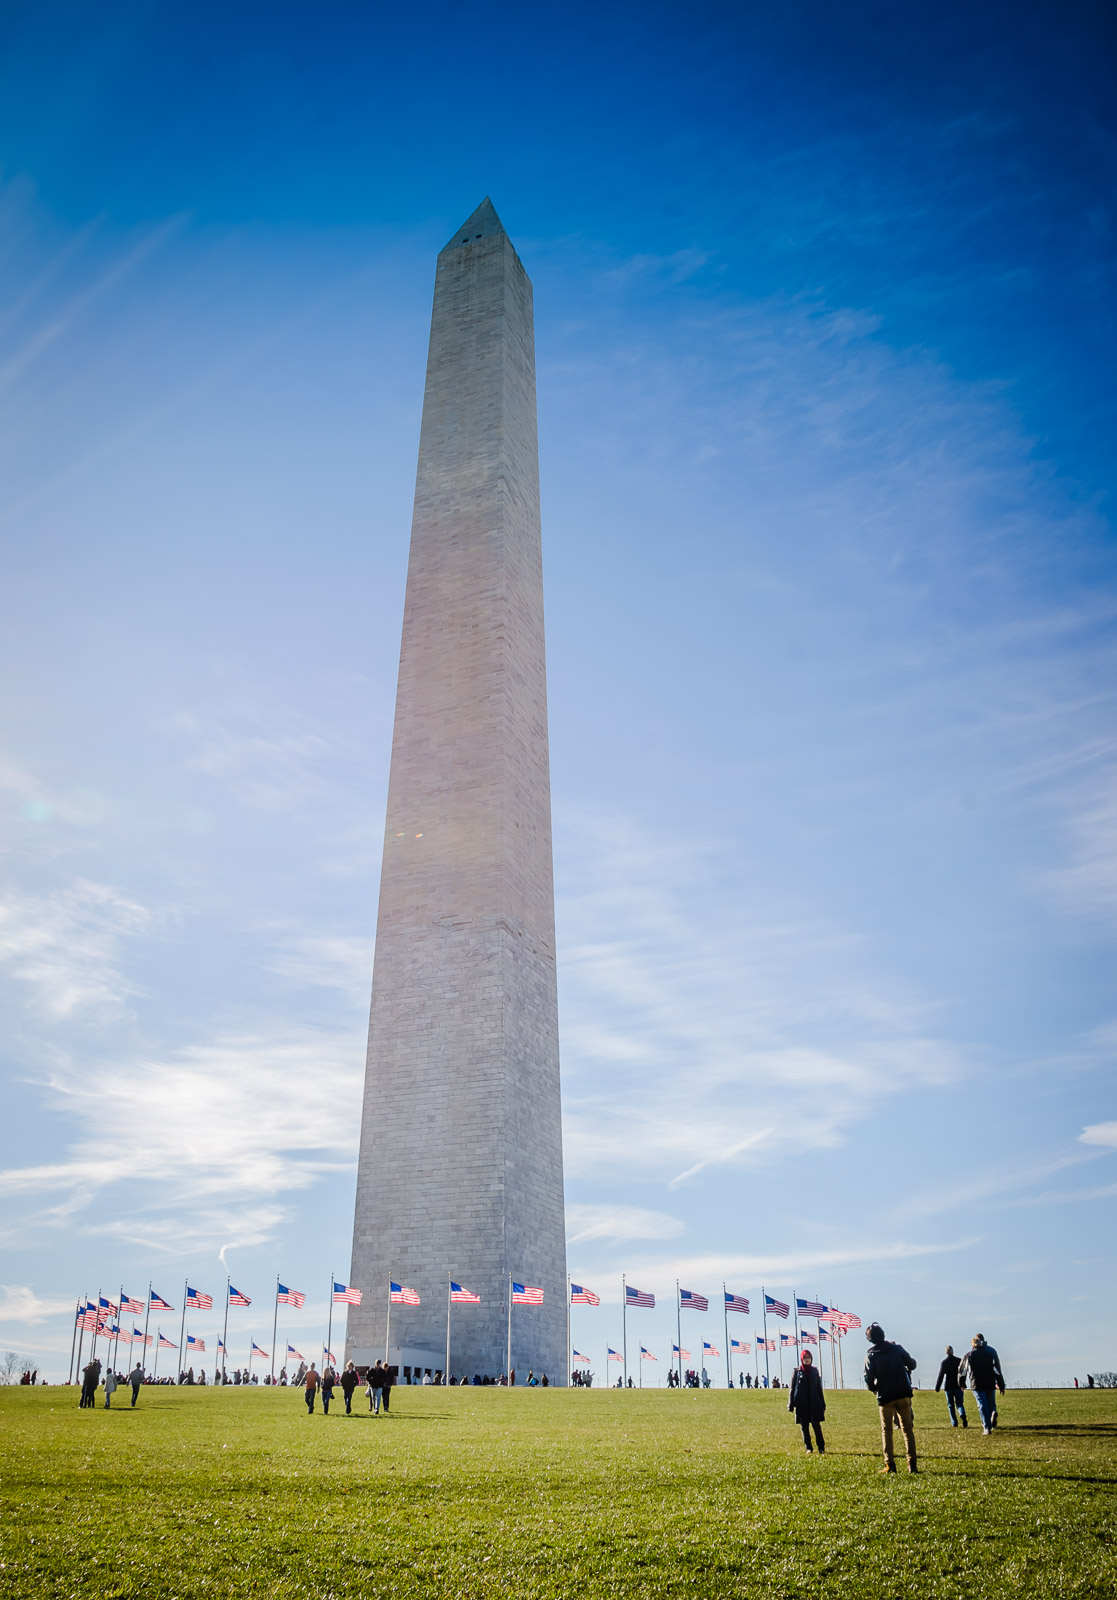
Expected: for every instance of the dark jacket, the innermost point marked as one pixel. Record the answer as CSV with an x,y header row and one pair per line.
x,y
376,1377
805,1396
982,1367
887,1372
948,1374
349,1381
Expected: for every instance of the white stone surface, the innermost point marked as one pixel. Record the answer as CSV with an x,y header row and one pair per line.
x,y
460,1168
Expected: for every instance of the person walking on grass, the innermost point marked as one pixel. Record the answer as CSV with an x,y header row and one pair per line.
x,y
981,1368
808,1403
387,1379
136,1378
110,1387
375,1386
329,1377
888,1369
955,1394
310,1387
349,1382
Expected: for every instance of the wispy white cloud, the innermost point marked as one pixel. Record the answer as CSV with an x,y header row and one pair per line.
x,y
218,1132
616,1222
68,946
22,1305
1100,1133
693,1041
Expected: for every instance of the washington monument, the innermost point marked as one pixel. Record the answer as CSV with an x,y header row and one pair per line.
x,y
460,1173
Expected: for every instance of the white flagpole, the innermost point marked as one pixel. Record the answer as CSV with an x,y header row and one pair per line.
x,y
569,1356
155,1368
679,1328
182,1326
725,1313
764,1305
274,1325
447,1325
330,1326
147,1319
224,1351
388,1318
624,1330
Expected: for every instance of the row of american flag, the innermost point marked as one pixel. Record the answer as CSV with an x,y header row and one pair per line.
x,y
691,1300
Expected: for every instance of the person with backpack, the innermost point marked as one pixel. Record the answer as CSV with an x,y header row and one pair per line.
x,y
349,1381
981,1368
807,1402
888,1369
955,1394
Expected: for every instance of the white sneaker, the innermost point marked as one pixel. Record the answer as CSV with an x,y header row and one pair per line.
x,y
987,1432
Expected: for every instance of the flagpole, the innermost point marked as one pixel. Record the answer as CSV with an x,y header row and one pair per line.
x,y
795,1314
569,1357
728,1363
155,1368
330,1326
116,1335
73,1344
841,1364
81,1332
679,1328
764,1305
624,1330
508,1368
147,1319
274,1325
388,1318
224,1351
447,1324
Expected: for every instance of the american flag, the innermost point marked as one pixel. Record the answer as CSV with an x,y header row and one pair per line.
x,y
140,1338
220,1342
578,1356
298,1355
762,1343
614,1355
825,1337
134,1308
646,1355
289,1297
638,1297
197,1301
121,1335
462,1297
735,1302
165,1343
583,1297
526,1296
776,1308
806,1338
788,1338
238,1299
87,1317
846,1320
345,1296
330,1357
736,1344
690,1301
708,1348
194,1344
401,1295
257,1350
810,1308
107,1305
675,1351
158,1303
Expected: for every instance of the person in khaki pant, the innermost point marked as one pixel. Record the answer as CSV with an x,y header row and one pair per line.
x,y
888,1369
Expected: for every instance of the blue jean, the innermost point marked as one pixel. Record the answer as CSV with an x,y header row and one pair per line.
x,y
956,1405
986,1404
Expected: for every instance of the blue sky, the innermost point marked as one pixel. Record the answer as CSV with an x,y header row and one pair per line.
x,y
826,340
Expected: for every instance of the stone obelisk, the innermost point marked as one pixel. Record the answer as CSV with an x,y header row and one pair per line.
x,y
460,1170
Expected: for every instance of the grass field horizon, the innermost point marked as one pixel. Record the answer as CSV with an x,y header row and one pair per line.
x,y
552,1493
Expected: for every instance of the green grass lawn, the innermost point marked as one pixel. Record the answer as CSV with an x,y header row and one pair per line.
x,y
547,1493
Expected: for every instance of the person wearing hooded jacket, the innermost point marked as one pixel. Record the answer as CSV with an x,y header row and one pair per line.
x,y
981,1368
888,1370
955,1393
807,1402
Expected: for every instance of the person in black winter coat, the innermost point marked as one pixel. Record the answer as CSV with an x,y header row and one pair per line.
x,y
955,1394
981,1368
888,1369
807,1401
349,1381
